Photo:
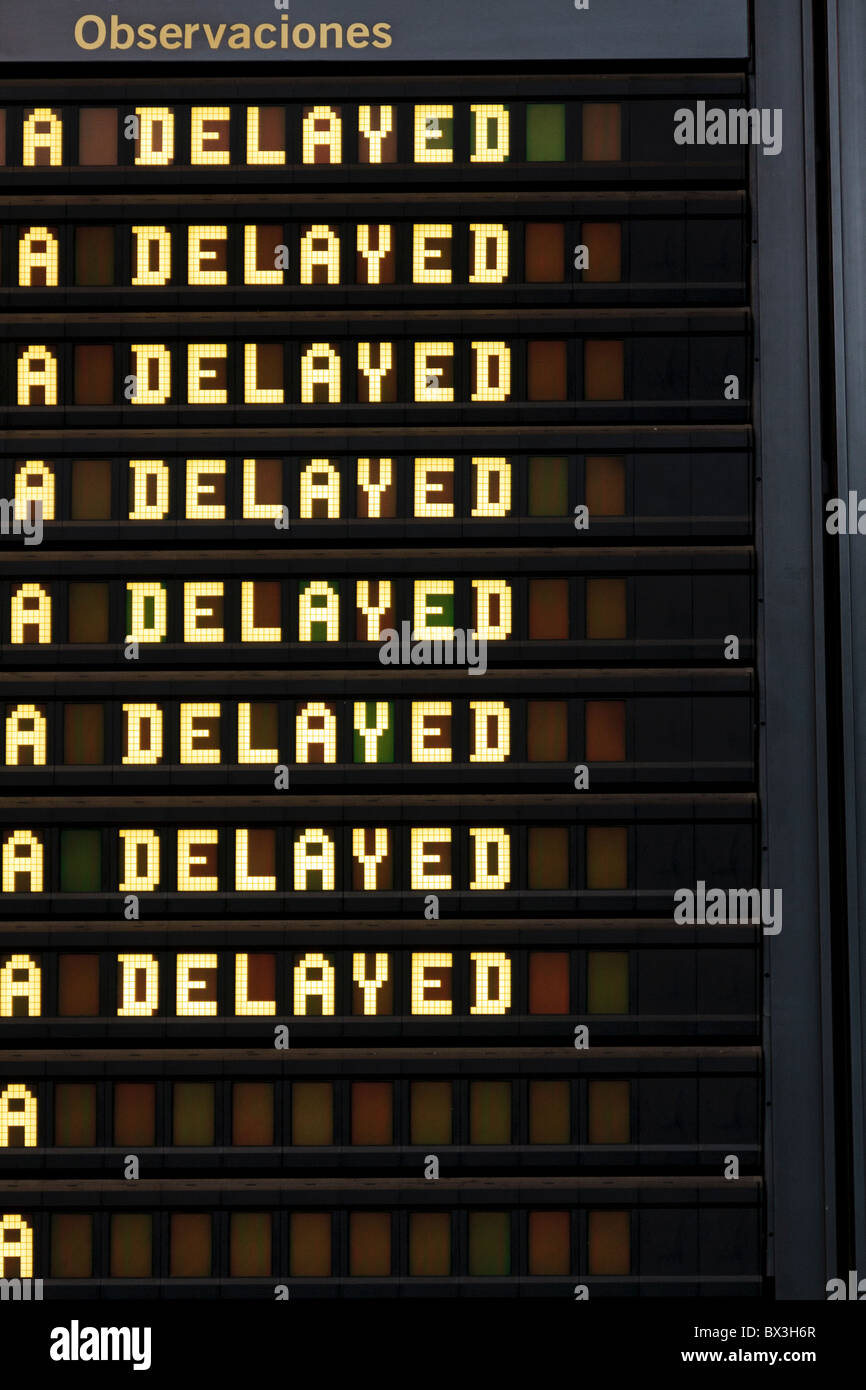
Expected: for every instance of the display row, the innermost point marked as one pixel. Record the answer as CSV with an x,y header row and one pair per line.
x,y
664,989
538,1108
425,135
714,1246
390,858
327,1244
683,366
228,733
445,622
446,251
709,489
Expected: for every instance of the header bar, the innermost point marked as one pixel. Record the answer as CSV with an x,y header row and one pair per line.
x,y
375,31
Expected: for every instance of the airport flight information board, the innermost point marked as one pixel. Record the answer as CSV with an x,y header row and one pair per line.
x,y
378,620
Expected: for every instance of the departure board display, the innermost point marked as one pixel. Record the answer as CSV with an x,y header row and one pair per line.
x,y
388,778
379,637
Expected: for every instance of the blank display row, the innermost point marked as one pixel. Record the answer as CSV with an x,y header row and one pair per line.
x,y
319,1113
318,1244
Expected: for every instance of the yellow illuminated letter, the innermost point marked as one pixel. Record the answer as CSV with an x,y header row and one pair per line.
x,y
188,842
318,603
186,1007
132,968
426,376
150,489
253,510
22,855
244,1006
373,256
487,964
19,1248
322,127
147,611
246,753
424,608
320,482
29,988
318,860
245,882
196,509
249,631
34,487
24,1116
490,119
422,273
37,370
140,861
426,503
492,593
37,248
253,393
375,375
422,836
252,274
255,154
492,859
374,490
307,984
373,611
30,607
370,987
50,139
146,357
156,139
370,862
26,728
371,736
492,487
422,961
485,233
492,717
313,253
327,375
374,137
429,135
137,717
422,710
190,732
147,240
198,274
197,393
493,371
322,734
193,630
201,139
